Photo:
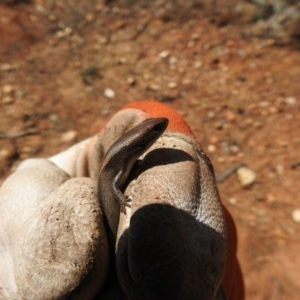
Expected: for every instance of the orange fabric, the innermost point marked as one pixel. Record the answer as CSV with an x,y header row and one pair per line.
x,y
233,279
156,110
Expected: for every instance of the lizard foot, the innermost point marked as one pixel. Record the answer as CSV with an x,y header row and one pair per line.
x,y
125,203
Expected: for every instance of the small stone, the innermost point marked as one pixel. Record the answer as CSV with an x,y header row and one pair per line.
x,y
122,60
232,201
257,124
60,34
290,101
109,93
33,18
102,40
225,69
221,159
154,87
68,31
234,149
41,9
51,17
213,139
89,17
164,54
172,60
54,118
296,215
264,104
186,81
131,80
273,109
246,176
191,44
7,100
68,136
271,199
241,53
211,114
230,116
211,148
198,64
172,85
19,93
220,124
7,89
279,169
5,67
195,36
120,24
7,153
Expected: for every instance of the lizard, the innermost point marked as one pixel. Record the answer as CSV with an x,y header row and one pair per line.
x,y
117,164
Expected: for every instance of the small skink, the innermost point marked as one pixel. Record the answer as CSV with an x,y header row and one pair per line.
x,y
117,164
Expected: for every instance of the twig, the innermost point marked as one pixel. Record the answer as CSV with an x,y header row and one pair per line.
x,y
223,175
16,135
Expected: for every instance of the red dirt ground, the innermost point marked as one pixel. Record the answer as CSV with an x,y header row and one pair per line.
x,y
241,98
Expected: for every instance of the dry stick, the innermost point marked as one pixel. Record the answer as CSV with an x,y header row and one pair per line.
x,y
16,135
223,175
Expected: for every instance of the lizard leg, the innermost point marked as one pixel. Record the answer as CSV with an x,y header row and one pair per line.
x,y
122,199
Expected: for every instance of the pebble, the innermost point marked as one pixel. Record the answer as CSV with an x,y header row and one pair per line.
x,y
234,148
5,67
221,159
290,101
89,17
7,89
213,139
198,64
246,176
68,136
211,148
7,100
7,153
19,93
41,9
219,124
172,85
164,54
230,116
195,36
186,81
131,80
172,60
211,114
53,118
154,87
296,215
109,93
279,169
257,124
264,104
232,201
